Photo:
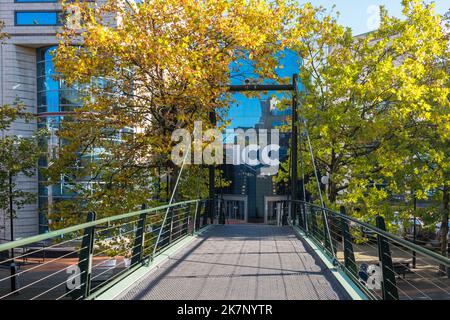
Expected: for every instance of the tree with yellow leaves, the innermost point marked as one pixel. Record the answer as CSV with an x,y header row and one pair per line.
x,y
162,66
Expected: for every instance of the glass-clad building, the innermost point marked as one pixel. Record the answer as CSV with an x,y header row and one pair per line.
x,y
54,101
253,193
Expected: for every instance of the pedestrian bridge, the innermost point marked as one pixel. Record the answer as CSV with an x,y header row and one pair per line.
x,y
240,262
180,252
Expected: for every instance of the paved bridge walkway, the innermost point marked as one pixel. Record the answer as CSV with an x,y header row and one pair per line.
x,y
241,262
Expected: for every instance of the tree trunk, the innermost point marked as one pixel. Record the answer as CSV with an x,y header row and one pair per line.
x,y
444,224
332,221
174,169
332,192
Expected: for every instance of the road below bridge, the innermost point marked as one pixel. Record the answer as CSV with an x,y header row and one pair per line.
x,y
241,262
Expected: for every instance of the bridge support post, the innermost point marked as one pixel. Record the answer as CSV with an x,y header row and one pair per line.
x,y
206,207
139,239
171,225
196,217
388,285
187,223
327,241
85,261
222,211
212,176
349,255
305,216
314,222
301,213
293,212
212,192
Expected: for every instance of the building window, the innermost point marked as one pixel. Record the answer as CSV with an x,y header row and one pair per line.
x,y
41,18
53,94
55,100
36,1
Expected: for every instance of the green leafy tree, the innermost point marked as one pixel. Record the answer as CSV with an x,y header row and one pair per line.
x,y
377,110
364,95
421,151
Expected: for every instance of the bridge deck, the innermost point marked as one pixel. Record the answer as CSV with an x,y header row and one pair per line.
x,y
241,262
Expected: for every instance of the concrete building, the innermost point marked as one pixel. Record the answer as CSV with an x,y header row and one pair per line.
x,y
32,26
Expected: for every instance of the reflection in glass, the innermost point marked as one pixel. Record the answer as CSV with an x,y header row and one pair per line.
x,y
262,113
54,100
42,18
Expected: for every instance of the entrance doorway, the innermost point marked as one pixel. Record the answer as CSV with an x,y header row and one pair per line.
x,y
275,208
235,208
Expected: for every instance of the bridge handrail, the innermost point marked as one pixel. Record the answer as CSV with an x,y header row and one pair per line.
x,y
405,243
49,235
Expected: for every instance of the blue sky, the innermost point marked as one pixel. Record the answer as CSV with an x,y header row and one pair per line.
x,y
362,15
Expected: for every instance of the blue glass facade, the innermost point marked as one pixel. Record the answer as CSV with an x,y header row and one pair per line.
x,y
258,113
55,100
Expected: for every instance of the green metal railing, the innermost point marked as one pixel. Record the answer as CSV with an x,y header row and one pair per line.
x,y
81,261
78,261
381,264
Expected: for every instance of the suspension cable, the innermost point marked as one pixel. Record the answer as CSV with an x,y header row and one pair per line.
x,y
318,187
172,196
